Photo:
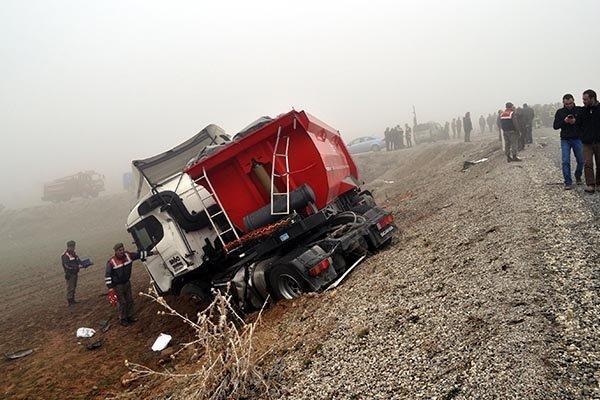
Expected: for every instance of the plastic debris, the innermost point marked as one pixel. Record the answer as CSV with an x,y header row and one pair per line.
x,y
161,342
18,354
94,345
85,332
468,164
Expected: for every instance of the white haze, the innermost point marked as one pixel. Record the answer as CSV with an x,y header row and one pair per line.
x,y
93,85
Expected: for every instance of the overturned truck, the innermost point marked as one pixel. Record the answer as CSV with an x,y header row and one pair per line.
x,y
273,213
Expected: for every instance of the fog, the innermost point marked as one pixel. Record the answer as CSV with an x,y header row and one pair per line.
x,y
93,85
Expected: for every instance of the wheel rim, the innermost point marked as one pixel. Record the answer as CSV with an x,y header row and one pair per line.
x,y
289,287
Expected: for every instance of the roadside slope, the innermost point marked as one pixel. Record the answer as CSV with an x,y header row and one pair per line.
x,y
490,292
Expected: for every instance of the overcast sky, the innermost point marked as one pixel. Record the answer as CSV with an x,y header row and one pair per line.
x,y
93,85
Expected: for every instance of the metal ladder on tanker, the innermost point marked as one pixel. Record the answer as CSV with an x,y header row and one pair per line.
x,y
278,154
211,217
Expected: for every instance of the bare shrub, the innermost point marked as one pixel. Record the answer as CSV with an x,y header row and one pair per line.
x,y
228,363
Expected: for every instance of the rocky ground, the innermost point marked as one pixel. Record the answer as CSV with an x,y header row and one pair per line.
x,y
489,292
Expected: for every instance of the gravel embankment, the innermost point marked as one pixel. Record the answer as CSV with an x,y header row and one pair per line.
x,y
490,292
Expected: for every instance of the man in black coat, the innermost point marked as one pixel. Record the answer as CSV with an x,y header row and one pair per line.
x,y
589,120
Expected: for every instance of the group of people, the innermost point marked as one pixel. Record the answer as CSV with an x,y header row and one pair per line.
x,y
117,277
580,134
490,122
397,138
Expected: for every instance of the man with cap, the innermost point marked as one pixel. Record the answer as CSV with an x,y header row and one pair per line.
x,y
71,264
118,273
510,128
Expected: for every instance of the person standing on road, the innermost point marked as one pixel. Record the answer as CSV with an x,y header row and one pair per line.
x,y
491,121
399,138
458,126
499,125
393,140
589,120
511,134
566,119
408,135
117,278
482,124
388,139
453,125
468,126
528,115
519,123
71,265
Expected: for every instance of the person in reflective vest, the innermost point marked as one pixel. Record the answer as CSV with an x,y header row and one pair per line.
x,y
71,265
117,278
511,132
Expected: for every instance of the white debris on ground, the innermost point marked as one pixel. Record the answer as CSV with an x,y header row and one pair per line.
x,y
85,332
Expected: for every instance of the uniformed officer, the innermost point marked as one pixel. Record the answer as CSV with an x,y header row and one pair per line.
x,y
117,278
71,265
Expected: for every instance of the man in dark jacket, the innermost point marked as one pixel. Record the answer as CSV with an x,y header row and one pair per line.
x,y
118,273
467,126
71,264
566,119
528,115
589,120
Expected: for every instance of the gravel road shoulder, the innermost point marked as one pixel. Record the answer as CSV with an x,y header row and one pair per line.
x,y
490,291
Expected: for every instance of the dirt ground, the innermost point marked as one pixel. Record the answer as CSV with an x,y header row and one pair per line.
x,y
489,291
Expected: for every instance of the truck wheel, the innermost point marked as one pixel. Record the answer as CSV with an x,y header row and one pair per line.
x,y
197,294
286,282
375,147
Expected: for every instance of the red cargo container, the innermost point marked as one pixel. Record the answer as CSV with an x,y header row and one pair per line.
x,y
316,156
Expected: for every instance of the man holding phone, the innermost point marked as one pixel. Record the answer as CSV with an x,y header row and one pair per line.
x,y
566,119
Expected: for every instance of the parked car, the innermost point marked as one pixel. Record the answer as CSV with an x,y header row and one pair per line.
x,y
428,132
366,143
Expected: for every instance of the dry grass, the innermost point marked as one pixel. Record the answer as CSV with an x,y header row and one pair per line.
x,y
227,361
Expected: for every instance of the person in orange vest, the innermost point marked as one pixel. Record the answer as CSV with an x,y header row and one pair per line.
x,y
117,278
71,265
511,132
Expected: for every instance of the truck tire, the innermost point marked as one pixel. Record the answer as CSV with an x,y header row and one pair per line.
x,y
196,293
286,283
375,147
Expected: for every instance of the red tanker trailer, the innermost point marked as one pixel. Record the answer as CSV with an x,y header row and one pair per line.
x,y
277,211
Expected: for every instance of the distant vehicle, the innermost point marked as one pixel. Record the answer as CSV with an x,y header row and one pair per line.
x,y
82,184
366,143
428,132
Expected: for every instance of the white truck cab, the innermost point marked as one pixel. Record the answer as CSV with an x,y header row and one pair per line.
x,y
166,195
